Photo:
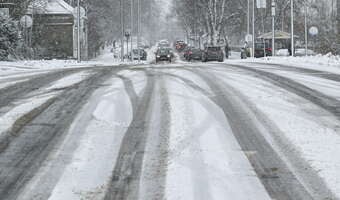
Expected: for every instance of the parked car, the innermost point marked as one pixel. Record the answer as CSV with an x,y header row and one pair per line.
x,y
186,52
180,45
260,48
194,54
282,52
163,54
213,53
302,52
142,54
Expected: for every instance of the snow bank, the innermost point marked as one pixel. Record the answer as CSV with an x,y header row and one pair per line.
x,y
326,62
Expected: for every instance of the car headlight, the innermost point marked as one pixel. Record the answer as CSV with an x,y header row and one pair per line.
x,y
158,56
168,56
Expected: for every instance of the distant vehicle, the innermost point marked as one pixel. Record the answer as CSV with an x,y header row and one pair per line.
x,y
259,50
171,52
194,54
213,53
302,52
186,51
142,54
180,45
163,55
163,44
282,52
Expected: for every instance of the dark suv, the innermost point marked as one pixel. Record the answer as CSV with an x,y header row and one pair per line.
x,y
213,53
163,55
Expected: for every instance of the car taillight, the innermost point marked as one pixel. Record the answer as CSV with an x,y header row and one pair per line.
x,y
269,49
190,52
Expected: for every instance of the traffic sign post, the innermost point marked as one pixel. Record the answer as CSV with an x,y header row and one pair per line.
x,y
314,31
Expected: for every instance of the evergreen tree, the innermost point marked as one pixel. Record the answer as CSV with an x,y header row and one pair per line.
x,y
8,36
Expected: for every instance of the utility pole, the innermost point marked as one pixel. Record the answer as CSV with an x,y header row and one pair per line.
x,y
273,26
306,29
78,32
292,26
131,35
253,50
121,2
138,28
248,18
195,23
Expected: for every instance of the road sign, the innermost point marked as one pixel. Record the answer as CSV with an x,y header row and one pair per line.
x,y
273,8
261,3
26,21
249,38
313,31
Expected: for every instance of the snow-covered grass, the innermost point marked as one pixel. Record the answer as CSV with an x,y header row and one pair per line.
x,y
29,66
328,62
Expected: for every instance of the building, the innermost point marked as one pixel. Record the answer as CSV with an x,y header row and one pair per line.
x,y
7,7
54,32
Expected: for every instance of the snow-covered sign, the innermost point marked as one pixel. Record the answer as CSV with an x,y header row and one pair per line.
x,y
249,38
261,3
313,30
4,12
26,21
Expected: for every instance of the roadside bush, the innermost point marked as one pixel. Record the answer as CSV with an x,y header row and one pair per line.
x,y
9,36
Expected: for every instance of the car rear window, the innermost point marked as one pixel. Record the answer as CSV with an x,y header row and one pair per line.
x,y
214,48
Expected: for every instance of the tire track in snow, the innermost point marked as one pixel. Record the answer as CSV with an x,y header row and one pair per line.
x,y
16,91
23,156
279,181
153,179
328,103
125,180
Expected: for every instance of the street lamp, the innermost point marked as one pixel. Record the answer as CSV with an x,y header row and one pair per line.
x,y
132,16
127,35
292,26
121,2
78,32
138,28
273,26
306,30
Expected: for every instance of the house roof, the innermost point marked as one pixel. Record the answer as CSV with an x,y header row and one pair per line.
x,y
278,35
50,7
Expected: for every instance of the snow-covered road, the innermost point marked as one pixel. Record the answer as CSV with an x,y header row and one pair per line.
x,y
183,131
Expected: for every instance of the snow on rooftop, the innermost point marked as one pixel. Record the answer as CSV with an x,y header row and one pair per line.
x,y
51,7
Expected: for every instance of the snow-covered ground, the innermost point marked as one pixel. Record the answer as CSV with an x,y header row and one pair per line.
x,y
311,131
204,158
328,63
